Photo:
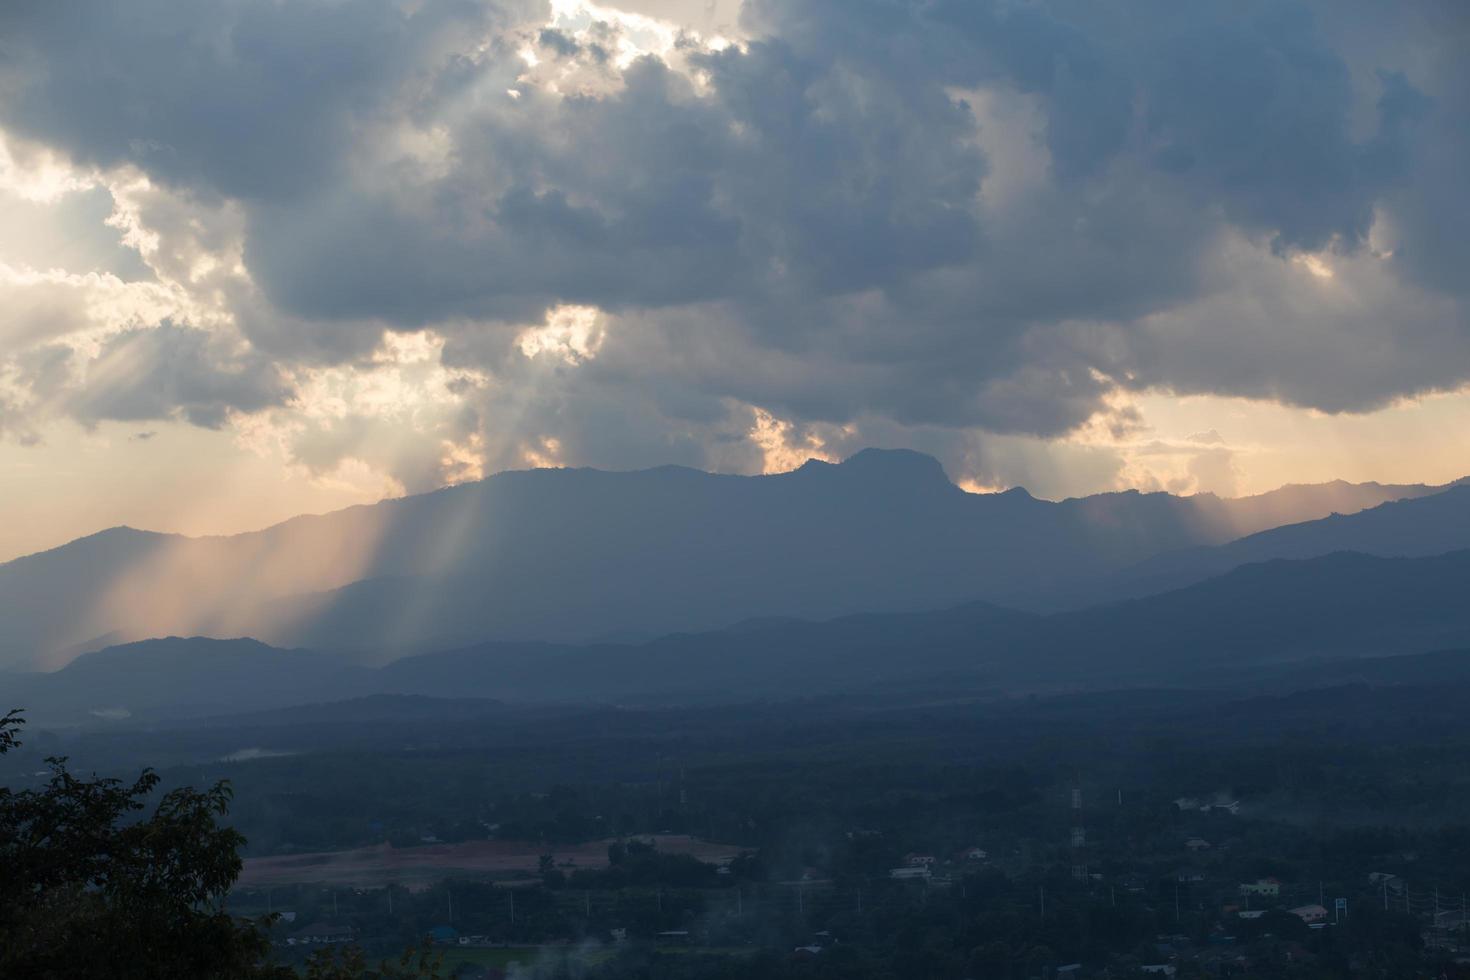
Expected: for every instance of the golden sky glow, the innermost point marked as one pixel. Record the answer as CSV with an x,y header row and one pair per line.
x,y
185,347
195,481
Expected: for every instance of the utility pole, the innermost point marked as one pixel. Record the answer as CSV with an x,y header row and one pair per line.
x,y
334,904
450,895
1043,900
1176,903
1079,837
512,906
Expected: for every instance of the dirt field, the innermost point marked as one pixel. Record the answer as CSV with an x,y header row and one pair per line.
x,y
369,867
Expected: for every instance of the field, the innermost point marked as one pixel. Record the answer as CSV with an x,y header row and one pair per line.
x,y
504,956
420,867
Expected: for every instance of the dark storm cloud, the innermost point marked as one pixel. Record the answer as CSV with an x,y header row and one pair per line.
x,y
172,371
252,100
1244,105
1431,212
794,182
805,222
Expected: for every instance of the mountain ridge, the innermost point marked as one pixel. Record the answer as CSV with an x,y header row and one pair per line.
x,y
1386,491
570,554
1411,527
1254,622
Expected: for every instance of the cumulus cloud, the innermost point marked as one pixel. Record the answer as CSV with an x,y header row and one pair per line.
x,y
254,101
726,236
171,370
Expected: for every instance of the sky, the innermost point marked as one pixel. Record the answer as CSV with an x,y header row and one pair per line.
x,y
267,257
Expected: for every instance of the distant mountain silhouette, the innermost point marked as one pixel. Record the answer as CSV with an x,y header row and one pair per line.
x,y
1429,525
174,677
1438,668
1338,605
571,555
1241,629
778,660
1219,631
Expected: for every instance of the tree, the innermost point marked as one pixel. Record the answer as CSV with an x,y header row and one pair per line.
x,y
9,729
90,888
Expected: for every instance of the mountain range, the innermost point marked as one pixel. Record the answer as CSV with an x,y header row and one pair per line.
x,y
1241,629
572,556
1413,527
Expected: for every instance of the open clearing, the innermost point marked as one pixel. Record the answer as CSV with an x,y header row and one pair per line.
x,y
424,865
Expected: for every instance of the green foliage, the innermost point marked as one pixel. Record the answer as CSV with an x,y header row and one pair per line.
x,y
91,887
9,730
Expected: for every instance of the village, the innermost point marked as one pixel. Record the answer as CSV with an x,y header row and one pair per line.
x,y
1195,915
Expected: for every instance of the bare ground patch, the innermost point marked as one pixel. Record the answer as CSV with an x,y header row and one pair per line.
x,y
423,865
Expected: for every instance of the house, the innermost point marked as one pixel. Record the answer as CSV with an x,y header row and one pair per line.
x,y
1189,875
1452,919
1187,803
1249,914
444,935
319,934
918,860
1231,807
922,872
1197,844
1265,887
972,854
1162,969
1310,914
